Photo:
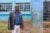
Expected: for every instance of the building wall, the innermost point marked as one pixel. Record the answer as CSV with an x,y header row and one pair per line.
x,y
4,15
36,7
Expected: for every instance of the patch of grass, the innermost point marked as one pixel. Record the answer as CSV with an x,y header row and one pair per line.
x,y
4,27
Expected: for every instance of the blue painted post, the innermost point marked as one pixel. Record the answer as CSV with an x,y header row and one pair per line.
x,y
37,13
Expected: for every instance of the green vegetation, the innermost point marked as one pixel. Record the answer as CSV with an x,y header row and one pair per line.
x,y
4,27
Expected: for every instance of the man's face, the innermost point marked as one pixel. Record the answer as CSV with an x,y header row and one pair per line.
x,y
16,8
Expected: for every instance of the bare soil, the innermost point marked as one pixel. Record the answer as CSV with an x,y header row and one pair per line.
x,y
46,27
28,28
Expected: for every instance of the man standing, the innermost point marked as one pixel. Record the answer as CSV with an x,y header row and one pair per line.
x,y
15,21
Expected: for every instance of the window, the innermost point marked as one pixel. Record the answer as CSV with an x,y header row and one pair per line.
x,y
24,6
46,11
5,7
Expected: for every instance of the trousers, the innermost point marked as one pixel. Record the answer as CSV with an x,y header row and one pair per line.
x,y
16,29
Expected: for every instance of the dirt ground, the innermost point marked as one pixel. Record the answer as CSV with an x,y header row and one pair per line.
x,y
46,27
28,28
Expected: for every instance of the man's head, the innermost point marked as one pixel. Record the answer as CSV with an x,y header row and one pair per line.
x,y
16,8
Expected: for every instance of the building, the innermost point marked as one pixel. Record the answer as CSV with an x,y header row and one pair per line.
x,y
46,12
7,6
30,9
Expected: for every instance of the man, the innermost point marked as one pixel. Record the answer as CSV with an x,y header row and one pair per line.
x,y
15,21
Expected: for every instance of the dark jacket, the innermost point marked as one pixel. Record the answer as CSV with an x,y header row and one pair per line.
x,y
11,21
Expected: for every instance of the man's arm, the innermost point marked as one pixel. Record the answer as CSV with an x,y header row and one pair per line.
x,y
21,21
9,21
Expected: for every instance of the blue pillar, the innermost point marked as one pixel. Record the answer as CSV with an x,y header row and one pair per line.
x,y
37,12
